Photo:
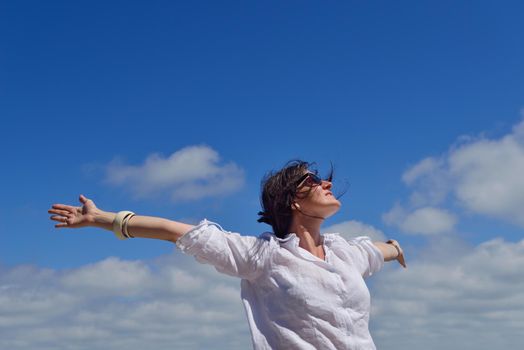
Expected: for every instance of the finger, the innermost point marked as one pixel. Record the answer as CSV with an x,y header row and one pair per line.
x,y
59,218
69,208
402,261
83,199
58,211
60,225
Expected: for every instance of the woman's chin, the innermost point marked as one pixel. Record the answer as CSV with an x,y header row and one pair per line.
x,y
327,214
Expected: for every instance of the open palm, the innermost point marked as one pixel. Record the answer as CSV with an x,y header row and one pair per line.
x,y
71,216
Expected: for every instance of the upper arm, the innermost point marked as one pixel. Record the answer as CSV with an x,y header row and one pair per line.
x,y
230,253
367,257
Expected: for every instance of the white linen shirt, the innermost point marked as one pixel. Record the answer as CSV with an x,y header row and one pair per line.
x,y
293,299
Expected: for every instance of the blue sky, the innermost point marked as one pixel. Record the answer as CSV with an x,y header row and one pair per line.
x,y
418,104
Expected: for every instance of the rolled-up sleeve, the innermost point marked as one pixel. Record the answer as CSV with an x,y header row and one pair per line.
x,y
366,255
229,252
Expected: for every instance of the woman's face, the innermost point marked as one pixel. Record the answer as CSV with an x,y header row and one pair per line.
x,y
320,200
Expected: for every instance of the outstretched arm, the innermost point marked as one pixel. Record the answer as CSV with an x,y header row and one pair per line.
x,y
88,215
391,251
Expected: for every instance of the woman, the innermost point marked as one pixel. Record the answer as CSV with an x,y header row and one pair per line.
x,y
301,289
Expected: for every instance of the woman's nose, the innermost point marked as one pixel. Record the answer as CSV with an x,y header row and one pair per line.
x,y
326,184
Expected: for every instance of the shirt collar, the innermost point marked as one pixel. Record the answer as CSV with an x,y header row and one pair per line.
x,y
292,239
291,243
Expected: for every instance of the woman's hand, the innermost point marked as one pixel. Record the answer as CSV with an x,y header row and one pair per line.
x,y
74,217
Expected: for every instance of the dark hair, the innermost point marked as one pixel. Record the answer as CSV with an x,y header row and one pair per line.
x,y
279,189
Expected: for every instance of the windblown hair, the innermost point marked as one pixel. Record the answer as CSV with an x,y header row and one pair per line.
x,y
279,190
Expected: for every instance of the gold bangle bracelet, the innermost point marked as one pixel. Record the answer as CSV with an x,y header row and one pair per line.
x,y
117,223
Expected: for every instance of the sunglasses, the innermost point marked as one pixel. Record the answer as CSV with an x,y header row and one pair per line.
x,y
309,180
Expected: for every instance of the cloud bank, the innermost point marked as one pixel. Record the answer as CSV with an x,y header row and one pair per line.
x,y
172,303
452,296
191,173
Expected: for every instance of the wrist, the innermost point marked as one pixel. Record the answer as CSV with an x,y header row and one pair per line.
x,y
103,219
395,245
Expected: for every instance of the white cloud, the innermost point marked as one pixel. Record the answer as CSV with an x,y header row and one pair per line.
x,y
451,296
423,221
191,173
174,302
109,277
424,167
489,177
351,229
429,181
429,221
485,176
472,298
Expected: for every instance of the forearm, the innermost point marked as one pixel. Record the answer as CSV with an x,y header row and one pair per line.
x,y
388,250
145,226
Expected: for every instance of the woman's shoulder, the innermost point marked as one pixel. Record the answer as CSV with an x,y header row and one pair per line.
x,y
269,239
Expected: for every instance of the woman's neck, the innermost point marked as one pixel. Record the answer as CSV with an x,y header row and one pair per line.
x,y
308,231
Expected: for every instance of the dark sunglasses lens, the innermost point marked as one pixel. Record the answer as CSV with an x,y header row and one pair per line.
x,y
314,179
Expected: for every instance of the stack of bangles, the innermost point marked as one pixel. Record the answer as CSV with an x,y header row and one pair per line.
x,y
120,224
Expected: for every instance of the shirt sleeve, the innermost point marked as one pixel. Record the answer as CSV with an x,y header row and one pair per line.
x,y
230,253
366,255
